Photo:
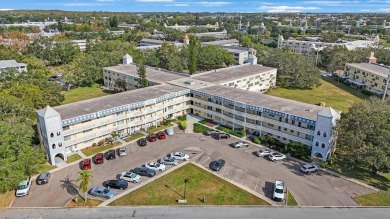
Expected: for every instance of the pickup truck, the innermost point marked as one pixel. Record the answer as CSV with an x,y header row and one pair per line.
x,y
23,188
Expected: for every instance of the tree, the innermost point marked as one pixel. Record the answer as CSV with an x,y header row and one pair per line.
x,y
85,178
121,84
141,69
364,136
194,49
213,57
297,150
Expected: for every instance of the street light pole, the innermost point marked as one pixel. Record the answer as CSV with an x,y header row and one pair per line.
x,y
386,86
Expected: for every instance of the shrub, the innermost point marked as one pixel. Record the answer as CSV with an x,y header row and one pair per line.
x,y
256,140
198,128
298,150
166,122
203,121
228,130
243,132
367,92
183,125
94,144
182,118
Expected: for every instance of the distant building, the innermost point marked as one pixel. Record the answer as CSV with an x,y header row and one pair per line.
x,y
231,42
12,64
128,26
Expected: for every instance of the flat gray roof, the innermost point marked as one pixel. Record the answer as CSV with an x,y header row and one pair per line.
x,y
373,68
231,73
102,103
11,64
219,42
152,40
152,74
292,107
190,83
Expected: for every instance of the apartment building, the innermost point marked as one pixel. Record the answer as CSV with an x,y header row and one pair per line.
x,y
231,42
228,96
367,76
12,64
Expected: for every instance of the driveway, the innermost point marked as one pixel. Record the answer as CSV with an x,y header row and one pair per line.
x,y
242,166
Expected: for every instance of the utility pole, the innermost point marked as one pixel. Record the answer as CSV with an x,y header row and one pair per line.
x,y
386,86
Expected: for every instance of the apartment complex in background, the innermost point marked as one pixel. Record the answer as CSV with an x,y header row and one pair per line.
x,y
229,97
12,64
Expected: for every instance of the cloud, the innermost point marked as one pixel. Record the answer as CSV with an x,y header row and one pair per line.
x,y
286,9
179,5
6,9
213,4
330,3
154,1
386,10
82,4
108,0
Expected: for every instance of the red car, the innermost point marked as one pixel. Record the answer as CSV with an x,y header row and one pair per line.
x,y
86,164
161,135
99,158
152,137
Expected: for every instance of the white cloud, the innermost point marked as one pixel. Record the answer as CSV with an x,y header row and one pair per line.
x,y
213,4
386,10
107,0
287,9
154,1
82,4
180,5
380,1
6,9
330,3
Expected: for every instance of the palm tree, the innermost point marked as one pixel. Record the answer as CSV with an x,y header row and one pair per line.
x,y
85,177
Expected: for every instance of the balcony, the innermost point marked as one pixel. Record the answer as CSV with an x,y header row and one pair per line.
x,y
78,140
79,129
287,136
286,125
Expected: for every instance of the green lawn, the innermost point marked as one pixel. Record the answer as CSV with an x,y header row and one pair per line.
x,y
6,198
336,95
374,199
95,149
159,128
45,167
84,93
81,203
198,128
291,200
202,186
73,158
134,137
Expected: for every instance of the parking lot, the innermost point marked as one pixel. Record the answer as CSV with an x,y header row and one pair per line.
x,y
256,173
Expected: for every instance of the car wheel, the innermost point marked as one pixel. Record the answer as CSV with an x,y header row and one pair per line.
x,y
160,170
93,195
121,188
184,159
107,197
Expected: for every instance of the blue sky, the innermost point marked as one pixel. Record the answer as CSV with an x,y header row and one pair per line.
x,y
350,6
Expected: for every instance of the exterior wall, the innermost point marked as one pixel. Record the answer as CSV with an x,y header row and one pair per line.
x,y
260,82
371,80
238,116
110,77
19,68
324,138
241,57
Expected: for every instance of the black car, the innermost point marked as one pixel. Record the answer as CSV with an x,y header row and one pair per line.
x,y
116,184
144,171
43,178
110,155
142,142
220,136
218,165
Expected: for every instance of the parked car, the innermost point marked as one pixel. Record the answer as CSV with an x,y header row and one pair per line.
x,y
142,142
43,178
99,158
168,161
309,168
23,188
130,177
144,171
218,164
240,144
169,131
161,135
102,192
278,193
277,156
263,152
220,136
155,166
122,151
212,132
116,184
86,164
111,155
180,156
152,138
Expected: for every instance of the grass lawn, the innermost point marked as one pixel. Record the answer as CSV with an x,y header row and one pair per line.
x,y
134,137
81,203
291,200
95,149
6,198
159,128
337,95
84,93
228,130
374,199
45,167
198,128
73,158
169,188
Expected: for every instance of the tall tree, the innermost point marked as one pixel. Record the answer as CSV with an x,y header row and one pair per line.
x,y
194,50
364,135
85,178
141,69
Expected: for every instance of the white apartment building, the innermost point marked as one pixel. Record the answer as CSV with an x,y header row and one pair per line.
x,y
231,42
12,64
226,96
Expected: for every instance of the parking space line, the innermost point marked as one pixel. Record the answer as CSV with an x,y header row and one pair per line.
x,y
230,173
243,178
257,181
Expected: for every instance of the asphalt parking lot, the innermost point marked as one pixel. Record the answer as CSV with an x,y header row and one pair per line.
x,y
256,173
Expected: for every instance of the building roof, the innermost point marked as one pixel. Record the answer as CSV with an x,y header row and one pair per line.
x,y
232,73
190,83
220,42
10,64
381,70
152,41
152,74
329,112
106,102
292,107
47,112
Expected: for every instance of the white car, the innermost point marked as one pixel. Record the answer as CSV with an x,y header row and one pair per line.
x,y
130,177
23,188
122,151
155,166
168,161
277,156
309,168
263,153
278,194
169,131
240,144
180,156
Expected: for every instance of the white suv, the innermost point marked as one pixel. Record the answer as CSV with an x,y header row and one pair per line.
x,y
309,168
277,156
155,166
278,194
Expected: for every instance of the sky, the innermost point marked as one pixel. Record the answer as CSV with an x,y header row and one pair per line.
x,y
272,6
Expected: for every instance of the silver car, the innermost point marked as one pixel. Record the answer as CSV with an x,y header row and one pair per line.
x,y
168,161
102,192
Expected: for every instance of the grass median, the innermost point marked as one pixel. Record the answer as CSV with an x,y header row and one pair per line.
x,y
134,137
204,188
95,149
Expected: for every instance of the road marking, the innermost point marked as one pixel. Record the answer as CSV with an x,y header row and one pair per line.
x,y
243,178
230,173
256,183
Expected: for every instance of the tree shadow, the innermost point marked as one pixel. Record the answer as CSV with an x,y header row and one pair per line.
x,y
70,187
174,191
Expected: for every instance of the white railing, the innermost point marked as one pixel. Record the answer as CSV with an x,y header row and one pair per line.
x,y
78,140
79,129
287,136
286,125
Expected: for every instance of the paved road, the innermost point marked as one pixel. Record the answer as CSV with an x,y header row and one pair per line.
x,y
198,213
241,166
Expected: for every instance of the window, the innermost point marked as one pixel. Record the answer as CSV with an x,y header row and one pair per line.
x,y
317,143
280,119
285,129
120,122
209,115
51,134
53,146
60,144
209,107
324,135
65,127
66,137
322,145
89,130
218,110
299,124
58,133
319,133
293,122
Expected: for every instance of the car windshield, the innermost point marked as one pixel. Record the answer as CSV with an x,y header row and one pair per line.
x,y
280,191
132,175
217,164
22,187
42,176
105,191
